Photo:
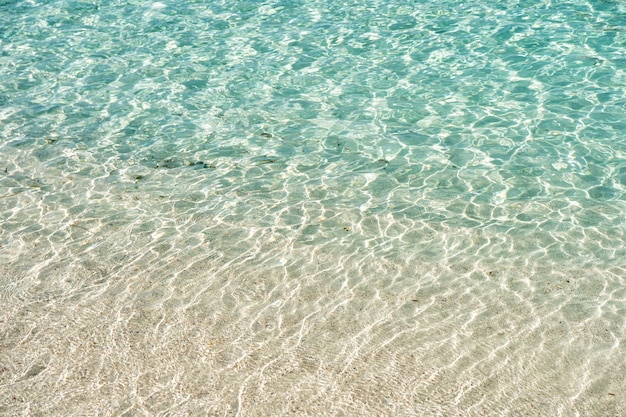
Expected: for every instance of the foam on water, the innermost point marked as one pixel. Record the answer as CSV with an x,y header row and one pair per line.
x,y
365,208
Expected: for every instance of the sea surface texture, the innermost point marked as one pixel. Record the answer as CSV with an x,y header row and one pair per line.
x,y
330,208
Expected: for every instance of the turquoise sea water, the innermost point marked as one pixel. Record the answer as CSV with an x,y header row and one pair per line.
x,y
313,208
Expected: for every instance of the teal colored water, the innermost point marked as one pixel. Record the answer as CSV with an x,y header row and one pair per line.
x,y
334,208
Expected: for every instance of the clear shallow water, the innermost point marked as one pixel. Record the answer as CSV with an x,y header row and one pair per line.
x,y
364,208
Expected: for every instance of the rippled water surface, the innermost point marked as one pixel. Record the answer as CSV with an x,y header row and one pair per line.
x,y
255,208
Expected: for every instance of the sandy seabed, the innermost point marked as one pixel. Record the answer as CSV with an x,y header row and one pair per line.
x,y
320,332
